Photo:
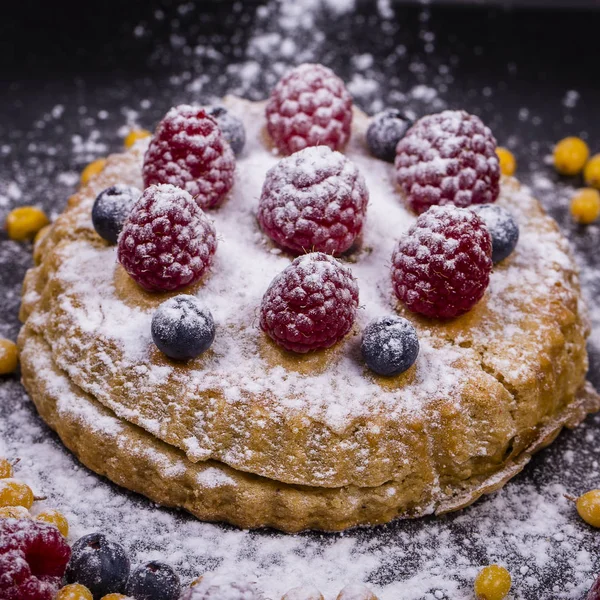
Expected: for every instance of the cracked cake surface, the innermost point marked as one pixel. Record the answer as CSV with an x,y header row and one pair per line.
x,y
486,388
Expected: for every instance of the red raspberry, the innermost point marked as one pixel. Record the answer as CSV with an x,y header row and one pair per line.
x,y
441,267
188,150
315,199
309,106
33,559
448,158
311,304
167,242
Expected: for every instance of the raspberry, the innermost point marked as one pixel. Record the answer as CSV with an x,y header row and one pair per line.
x,y
311,304
309,106
448,158
168,242
441,267
33,558
188,150
315,199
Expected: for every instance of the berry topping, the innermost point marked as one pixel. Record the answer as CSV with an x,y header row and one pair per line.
x,y
448,158
74,591
441,267
9,356
492,583
214,586
585,206
181,328
311,304
356,591
53,517
507,160
14,512
23,222
313,200
591,173
231,127
303,593
111,209
188,150
390,345
15,493
309,106
594,593
92,170
386,129
33,557
502,227
154,581
588,507
99,564
6,466
168,242
134,136
570,155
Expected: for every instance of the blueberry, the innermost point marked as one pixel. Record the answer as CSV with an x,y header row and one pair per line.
x,y
386,129
232,127
390,345
154,581
99,564
111,209
502,227
181,328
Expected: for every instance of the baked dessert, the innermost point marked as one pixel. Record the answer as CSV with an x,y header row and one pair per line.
x,y
272,428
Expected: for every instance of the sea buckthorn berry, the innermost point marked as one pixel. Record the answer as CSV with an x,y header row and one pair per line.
x,y
94,168
508,163
6,468
9,357
15,493
74,591
585,206
116,597
41,234
53,517
307,592
24,222
588,507
492,583
570,155
591,172
14,512
356,591
134,135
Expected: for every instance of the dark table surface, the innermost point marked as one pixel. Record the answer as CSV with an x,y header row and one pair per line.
x,y
72,79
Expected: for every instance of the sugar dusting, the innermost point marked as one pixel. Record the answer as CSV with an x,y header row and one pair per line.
x,y
530,528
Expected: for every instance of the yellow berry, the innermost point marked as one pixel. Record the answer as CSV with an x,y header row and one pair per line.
x,y
9,357
134,135
93,169
24,222
585,206
74,591
115,597
14,512
508,163
591,171
15,493
41,234
570,155
6,468
55,518
588,507
492,583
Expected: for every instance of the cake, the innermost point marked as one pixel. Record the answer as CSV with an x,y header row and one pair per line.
x,y
256,435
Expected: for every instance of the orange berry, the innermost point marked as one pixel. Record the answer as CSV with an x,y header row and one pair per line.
x,y
585,206
588,507
56,518
492,583
74,591
508,163
591,171
6,468
570,155
9,357
14,512
24,222
134,135
15,493
94,168
115,597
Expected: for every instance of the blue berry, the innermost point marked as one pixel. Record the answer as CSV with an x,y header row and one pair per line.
x,y
154,581
386,129
390,345
99,564
231,127
502,227
111,209
181,328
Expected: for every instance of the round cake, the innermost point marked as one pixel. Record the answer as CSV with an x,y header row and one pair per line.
x,y
256,435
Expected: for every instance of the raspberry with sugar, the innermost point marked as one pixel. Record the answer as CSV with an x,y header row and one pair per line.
x,y
448,158
311,304
33,559
189,150
167,242
309,106
315,199
441,267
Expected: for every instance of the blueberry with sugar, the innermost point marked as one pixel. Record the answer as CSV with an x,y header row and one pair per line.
x,y
99,564
111,209
182,328
154,581
386,129
503,229
231,127
390,345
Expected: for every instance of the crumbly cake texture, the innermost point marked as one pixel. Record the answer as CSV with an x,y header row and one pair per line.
x,y
320,433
